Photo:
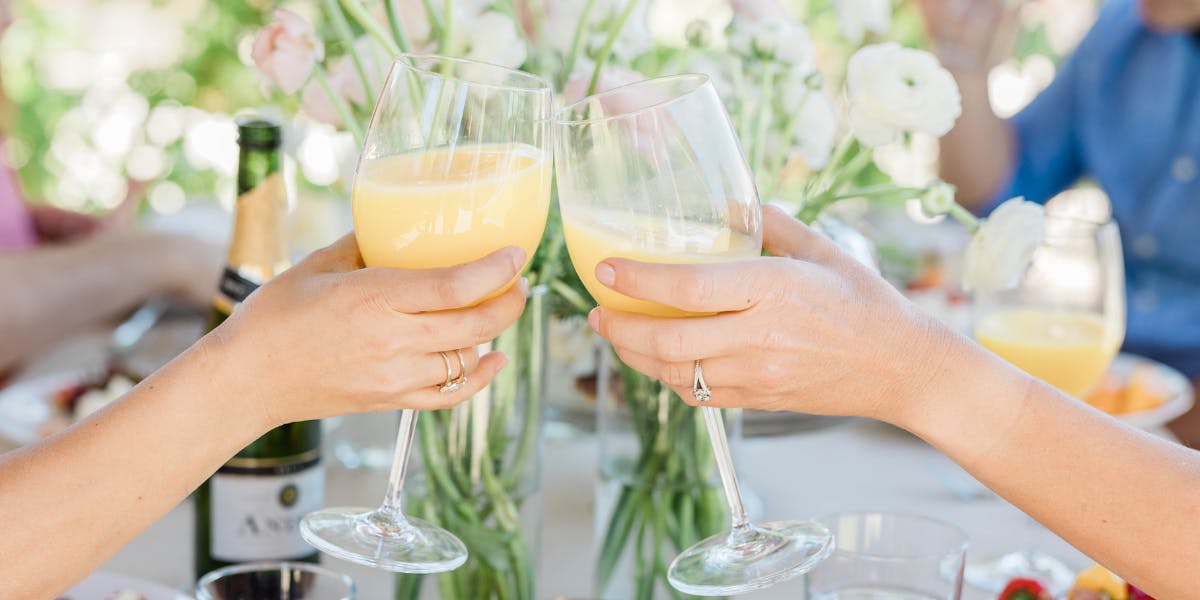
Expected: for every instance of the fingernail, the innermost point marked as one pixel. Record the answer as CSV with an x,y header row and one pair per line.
x,y
594,320
523,283
503,362
517,256
605,274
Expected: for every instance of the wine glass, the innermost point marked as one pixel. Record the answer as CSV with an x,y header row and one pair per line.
x,y
652,171
1062,323
456,165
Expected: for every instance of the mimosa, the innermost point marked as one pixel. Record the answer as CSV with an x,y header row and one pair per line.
x,y
1067,349
448,206
593,235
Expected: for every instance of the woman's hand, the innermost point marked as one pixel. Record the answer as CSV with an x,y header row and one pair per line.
x,y
330,337
807,330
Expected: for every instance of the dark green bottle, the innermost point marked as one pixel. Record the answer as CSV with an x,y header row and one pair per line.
x,y
250,509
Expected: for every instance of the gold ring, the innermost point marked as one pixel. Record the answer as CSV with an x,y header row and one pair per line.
x,y
452,384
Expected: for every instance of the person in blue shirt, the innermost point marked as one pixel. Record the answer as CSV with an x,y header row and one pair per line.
x,y
1124,111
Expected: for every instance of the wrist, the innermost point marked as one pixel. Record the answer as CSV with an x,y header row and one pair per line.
x,y
232,382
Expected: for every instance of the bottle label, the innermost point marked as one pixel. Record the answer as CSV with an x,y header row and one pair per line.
x,y
235,287
257,505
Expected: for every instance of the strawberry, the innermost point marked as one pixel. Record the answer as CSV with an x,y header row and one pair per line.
x,y
1136,594
1024,589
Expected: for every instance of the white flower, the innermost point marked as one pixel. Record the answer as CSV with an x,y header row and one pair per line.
x,y
856,17
632,41
816,129
938,198
778,40
682,23
494,38
759,10
1003,246
895,90
718,67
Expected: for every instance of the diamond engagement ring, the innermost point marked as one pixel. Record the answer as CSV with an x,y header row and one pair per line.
x,y
700,389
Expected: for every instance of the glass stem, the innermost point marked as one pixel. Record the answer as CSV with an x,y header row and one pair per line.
x,y
392,501
720,446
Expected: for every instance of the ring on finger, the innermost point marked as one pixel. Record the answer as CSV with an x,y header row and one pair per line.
x,y
700,389
461,380
452,384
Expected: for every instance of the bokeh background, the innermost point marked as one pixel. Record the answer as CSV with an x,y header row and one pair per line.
x,y
91,111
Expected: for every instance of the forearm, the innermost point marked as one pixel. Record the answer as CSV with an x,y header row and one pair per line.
x,y
977,155
1095,482
70,503
54,291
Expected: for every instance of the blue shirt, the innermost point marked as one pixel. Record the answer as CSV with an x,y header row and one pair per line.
x,y
1125,111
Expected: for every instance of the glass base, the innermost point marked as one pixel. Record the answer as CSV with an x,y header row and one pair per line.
x,y
757,557
992,575
377,539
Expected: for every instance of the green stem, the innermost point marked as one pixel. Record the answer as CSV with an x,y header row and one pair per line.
x,y
360,15
576,42
780,159
435,19
342,28
446,45
339,104
574,298
397,28
964,216
606,51
764,115
881,191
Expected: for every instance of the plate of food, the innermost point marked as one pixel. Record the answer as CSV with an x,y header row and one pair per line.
x,y
112,586
1142,392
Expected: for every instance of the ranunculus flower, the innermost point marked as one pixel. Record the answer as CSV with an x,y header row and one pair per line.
x,y
287,50
759,10
494,38
780,40
856,17
683,23
347,83
938,199
816,129
1003,246
895,90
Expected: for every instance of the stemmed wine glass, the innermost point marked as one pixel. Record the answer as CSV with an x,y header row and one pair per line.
x,y
652,171
456,165
1062,323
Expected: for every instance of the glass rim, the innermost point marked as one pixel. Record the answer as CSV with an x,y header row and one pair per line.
x,y
265,566
408,60
963,543
701,79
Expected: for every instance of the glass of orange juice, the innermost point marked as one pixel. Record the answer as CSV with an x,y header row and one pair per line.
x,y
456,165
1063,323
652,171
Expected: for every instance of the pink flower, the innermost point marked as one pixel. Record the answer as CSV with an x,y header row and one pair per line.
x,y
347,83
287,50
759,10
610,78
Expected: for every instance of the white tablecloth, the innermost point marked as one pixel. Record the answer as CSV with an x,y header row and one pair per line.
x,y
855,467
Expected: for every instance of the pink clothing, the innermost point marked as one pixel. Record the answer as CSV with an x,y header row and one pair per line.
x,y
16,226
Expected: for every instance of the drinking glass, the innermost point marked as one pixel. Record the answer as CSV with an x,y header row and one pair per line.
x,y
456,165
652,171
275,581
1063,323
892,556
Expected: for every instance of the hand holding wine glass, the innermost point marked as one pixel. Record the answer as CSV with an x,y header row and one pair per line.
x,y
652,171
456,165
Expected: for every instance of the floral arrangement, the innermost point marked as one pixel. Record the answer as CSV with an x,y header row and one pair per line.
x,y
807,152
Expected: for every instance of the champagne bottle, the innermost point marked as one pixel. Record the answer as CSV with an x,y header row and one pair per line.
x,y
250,509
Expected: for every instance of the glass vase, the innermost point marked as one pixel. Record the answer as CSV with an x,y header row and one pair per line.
x,y
657,488
480,474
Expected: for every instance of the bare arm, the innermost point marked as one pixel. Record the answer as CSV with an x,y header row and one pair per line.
x,y
977,155
816,332
323,339
52,291
1124,497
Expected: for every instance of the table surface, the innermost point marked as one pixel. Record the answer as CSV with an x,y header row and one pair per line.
x,y
859,466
